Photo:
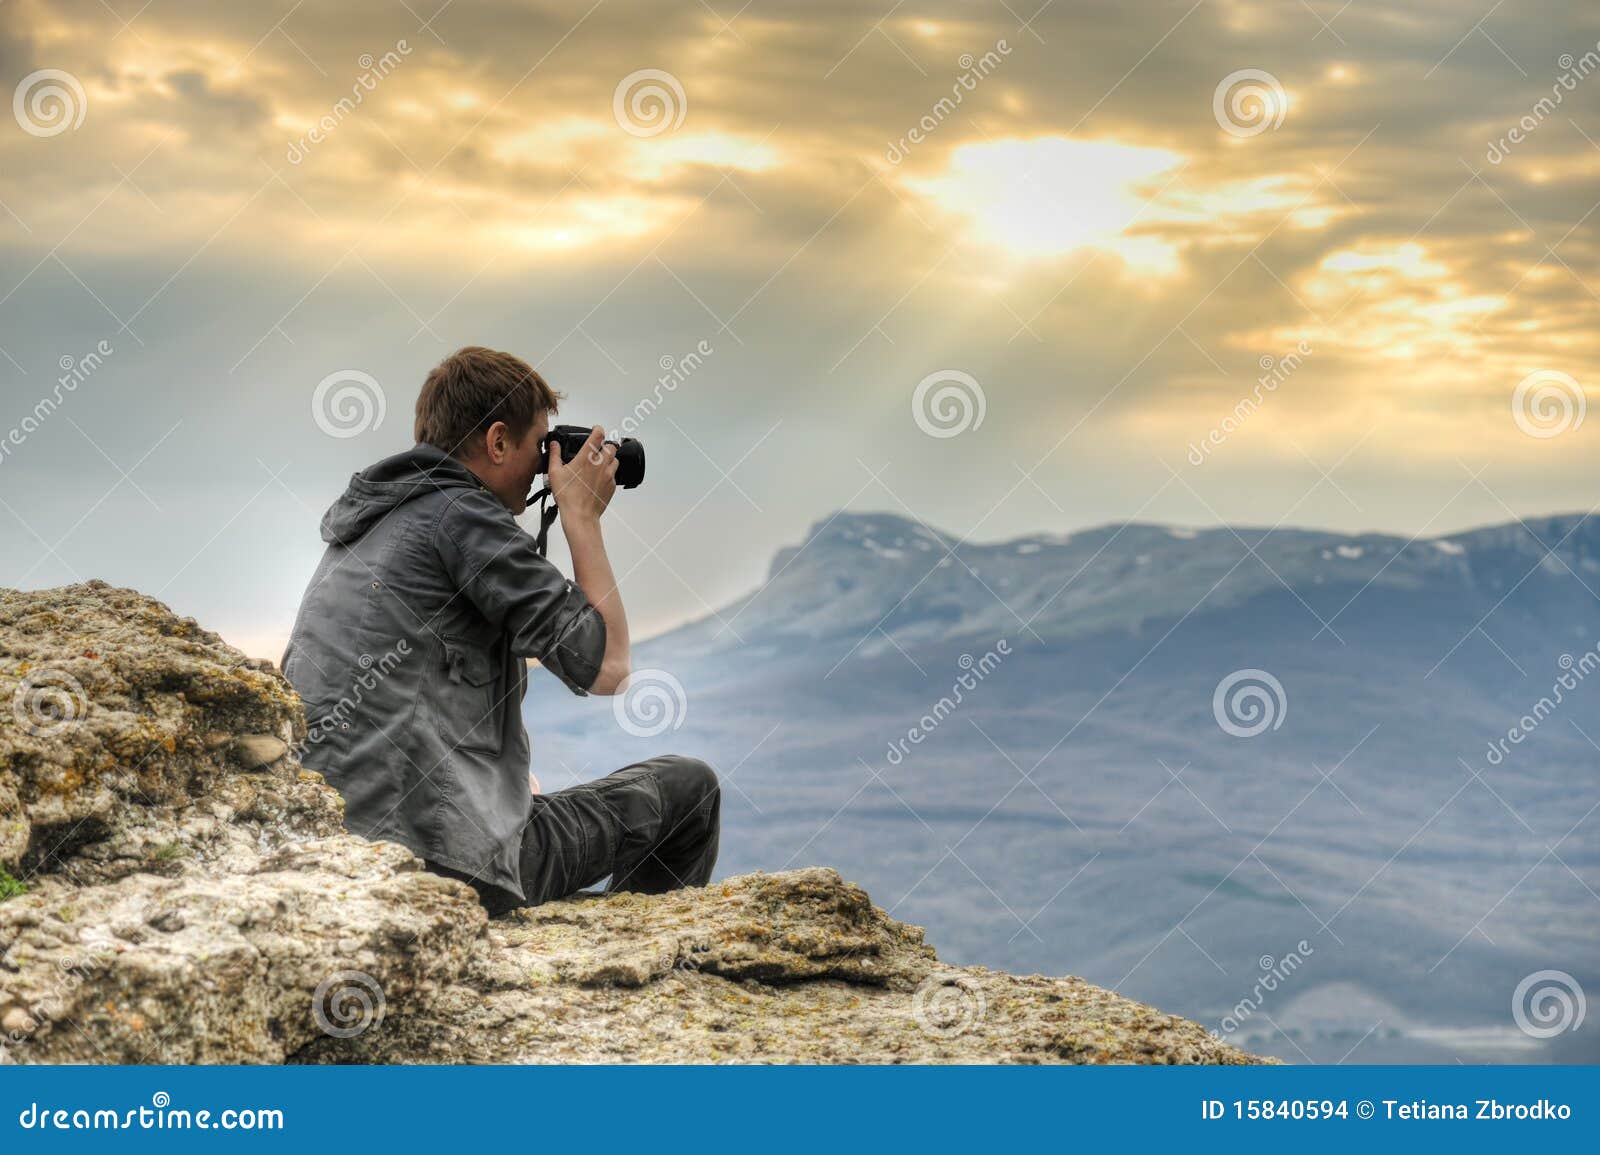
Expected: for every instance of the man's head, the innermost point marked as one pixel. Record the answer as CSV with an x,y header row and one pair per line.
x,y
491,412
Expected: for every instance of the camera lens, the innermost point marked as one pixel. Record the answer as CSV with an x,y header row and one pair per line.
x,y
630,463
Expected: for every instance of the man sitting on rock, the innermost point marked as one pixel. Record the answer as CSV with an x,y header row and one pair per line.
x,y
410,652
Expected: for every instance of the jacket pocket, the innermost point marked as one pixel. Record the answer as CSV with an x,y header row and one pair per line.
x,y
469,699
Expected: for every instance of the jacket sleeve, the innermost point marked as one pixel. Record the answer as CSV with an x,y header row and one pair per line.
x,y
494,564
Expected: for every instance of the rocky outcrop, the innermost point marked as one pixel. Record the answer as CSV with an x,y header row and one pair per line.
x,y
175,887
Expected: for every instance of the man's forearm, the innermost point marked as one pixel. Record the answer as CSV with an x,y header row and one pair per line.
x,y
591,569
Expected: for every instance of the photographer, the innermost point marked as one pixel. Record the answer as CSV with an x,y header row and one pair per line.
x,y
426,567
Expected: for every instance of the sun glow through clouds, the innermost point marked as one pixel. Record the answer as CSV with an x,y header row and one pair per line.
x,y
1047,196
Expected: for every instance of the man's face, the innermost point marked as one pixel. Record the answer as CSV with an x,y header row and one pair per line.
x,y
525,461
508,466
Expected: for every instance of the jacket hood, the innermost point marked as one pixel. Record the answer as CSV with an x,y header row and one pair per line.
x,y
379,489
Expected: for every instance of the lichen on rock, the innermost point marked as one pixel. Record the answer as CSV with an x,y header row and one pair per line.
x,y
183,891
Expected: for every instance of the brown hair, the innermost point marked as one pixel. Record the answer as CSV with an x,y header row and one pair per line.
x,y
473,388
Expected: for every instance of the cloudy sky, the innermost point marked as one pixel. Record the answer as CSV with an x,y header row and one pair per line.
x,y
1001,266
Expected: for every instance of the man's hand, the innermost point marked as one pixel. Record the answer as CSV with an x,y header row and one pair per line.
x,y
533,783
583,487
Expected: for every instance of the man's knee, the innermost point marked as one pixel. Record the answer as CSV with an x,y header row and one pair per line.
x,y
689,780
694,774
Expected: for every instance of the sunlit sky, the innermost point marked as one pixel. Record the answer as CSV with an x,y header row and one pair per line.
x,y
1131,213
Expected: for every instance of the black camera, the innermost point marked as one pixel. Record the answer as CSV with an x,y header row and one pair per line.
x,y
630,452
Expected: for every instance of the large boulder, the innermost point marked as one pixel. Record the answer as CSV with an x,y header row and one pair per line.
x,y
124,733
175,887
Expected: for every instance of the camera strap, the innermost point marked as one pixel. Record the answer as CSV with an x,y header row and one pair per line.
x,y
547,515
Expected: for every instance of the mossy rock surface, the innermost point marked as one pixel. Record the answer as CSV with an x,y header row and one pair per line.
x,y
175,887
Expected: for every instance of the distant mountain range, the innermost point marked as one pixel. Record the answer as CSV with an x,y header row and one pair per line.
x,y
1298,786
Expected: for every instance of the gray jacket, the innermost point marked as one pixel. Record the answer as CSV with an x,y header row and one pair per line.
x,y
409,651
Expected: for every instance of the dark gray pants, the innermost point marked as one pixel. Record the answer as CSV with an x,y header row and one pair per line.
x,y
651,827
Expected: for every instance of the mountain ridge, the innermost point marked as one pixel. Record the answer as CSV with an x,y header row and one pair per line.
x,y
1063,585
